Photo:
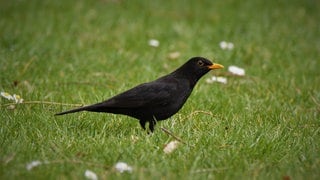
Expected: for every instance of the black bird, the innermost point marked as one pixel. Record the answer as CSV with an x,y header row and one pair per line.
x,y
157,100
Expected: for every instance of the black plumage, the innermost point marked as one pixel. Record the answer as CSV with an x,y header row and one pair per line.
x,y
156,100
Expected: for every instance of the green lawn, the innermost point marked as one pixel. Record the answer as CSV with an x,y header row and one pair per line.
x,y
265,125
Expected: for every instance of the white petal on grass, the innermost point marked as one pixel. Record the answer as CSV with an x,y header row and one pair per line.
x,y
219,79
33,164
7,95
223,45
174,55
171,146
236,70
209,80
123,167
226,45
36,163
230,46
134,138
17,98
90,175
154,43
11,107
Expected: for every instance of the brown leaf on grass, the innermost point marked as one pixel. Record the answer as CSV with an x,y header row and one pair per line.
x,y
286,177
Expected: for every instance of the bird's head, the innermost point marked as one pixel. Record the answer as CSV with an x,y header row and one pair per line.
x,y
195,68
203,64
199,66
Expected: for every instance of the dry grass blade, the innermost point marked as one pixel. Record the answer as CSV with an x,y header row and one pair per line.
x,y
43,102
172,135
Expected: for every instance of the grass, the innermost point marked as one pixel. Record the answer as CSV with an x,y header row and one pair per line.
x,y
265,125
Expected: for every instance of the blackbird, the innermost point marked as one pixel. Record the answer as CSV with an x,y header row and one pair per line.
x,y
156,100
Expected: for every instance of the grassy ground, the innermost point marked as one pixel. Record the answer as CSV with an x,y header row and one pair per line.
x,y
262,126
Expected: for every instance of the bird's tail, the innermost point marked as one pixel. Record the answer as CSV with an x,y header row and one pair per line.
x,y
72,111
95,108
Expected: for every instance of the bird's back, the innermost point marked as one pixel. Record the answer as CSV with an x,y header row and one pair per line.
x,y
158,99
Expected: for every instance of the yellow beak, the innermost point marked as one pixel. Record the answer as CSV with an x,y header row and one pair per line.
x,y
216,66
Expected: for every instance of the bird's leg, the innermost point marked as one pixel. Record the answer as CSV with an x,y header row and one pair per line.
x,y
151,126
143,124
152,123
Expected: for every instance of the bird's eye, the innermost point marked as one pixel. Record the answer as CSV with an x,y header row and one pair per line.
x,y
200,63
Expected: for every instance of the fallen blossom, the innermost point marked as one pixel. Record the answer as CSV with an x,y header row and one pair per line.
x,y
154,43
219,79
236,70
90,175
33,164
7,95
134,138
226,45
17,99
122,167
11,107
171,146
174,55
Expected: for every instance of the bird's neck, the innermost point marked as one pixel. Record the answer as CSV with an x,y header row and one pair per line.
x,y
186,77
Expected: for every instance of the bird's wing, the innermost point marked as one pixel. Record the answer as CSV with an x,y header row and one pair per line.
x,y
147,94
